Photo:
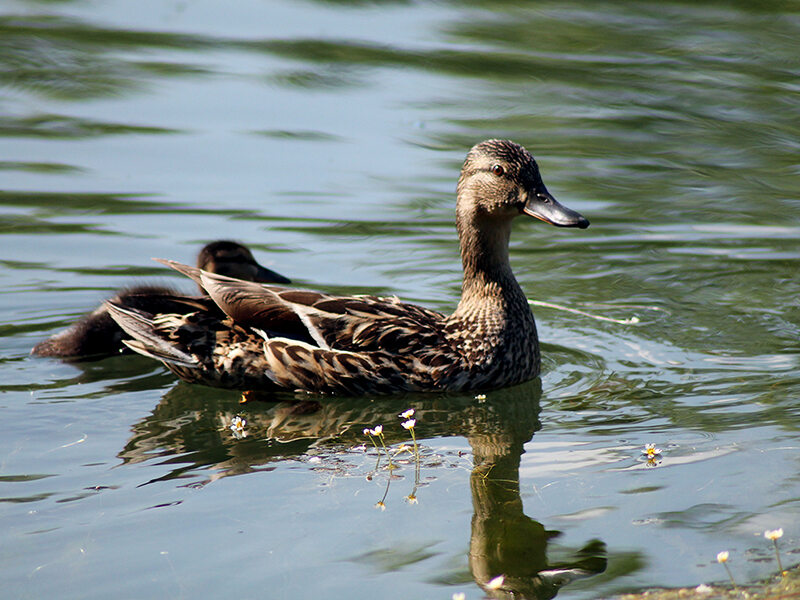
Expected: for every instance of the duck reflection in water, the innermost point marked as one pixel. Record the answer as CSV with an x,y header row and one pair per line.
x,y
503,540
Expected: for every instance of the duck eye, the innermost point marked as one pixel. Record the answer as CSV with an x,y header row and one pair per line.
x,y
498,170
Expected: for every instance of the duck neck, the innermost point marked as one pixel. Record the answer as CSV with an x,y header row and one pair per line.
x,y
488,280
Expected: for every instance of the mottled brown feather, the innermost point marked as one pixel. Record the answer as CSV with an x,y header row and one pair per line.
x,y
267,336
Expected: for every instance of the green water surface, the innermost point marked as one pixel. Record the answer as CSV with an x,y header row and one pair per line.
x,y
328,135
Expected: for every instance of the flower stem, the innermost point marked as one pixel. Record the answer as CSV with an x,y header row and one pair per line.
x,y
416,462
730,575
377,464
778,556
385,492
386,450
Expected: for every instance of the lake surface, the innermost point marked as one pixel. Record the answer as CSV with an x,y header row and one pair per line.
x,y
328,136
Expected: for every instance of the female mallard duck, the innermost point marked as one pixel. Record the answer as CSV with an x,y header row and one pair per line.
x,y
279,338
97,334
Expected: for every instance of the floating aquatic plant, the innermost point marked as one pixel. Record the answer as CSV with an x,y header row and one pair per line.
x,y
377,432
629,321
652,454
237,427
408,425
368,432
775,535
650,451
722,558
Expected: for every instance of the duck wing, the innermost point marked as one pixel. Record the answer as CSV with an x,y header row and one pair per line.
x,y
344,323
199,347
269,337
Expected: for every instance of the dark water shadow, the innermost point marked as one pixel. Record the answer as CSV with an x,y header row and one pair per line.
x,y
190,430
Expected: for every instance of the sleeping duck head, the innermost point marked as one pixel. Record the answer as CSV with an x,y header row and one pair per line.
x,y
235,260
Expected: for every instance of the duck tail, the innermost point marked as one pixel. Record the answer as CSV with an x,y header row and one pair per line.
x,y
192,273
146,338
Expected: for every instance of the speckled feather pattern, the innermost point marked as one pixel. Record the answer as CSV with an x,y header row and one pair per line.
x,y
270,337
370,345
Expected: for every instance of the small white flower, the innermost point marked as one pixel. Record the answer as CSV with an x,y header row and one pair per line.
x,y
380,505
406,413
650,451
377,431
367,431
409,424
412,499
722,557
703,589
237,427
480,398
773,534
496,583
459,596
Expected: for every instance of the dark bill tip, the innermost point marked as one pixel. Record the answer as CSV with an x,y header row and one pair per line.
x,y
265,275
546,208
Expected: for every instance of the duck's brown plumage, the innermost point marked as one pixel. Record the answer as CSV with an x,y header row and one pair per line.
x,y
97,334
272,337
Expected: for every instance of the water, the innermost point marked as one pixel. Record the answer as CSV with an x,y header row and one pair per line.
x,y
328,136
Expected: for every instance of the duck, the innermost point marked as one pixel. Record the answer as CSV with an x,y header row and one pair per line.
x,y
97,334
266,337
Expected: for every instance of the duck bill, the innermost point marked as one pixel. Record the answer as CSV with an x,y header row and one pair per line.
x,y
265,275
546,208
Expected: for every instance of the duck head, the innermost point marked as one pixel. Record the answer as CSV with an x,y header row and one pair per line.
x,y
501,180
235,260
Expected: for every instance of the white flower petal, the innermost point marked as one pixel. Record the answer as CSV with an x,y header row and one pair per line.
x,y
773,534
496,583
